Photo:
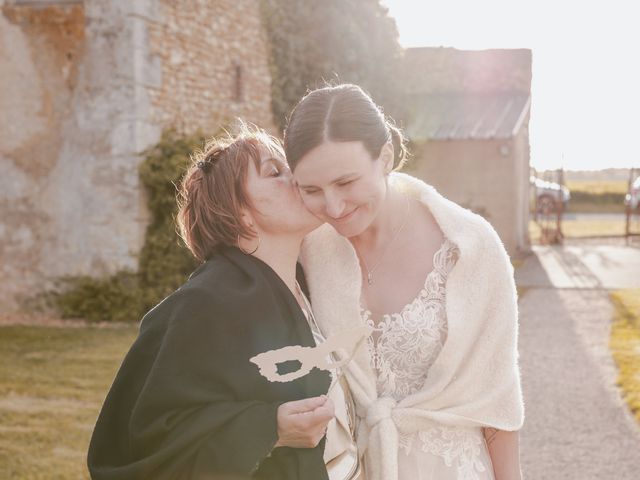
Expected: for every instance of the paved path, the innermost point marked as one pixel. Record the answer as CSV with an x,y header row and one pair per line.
x,y
576,426
581,266
620,216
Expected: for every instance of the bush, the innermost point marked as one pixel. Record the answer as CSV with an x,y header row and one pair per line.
x,y
117,298
611,198
164,263
315,41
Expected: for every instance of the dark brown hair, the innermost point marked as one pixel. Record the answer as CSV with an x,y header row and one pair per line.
x,y
213,191
340,113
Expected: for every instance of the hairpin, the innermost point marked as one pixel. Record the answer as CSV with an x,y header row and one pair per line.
x,y
209,160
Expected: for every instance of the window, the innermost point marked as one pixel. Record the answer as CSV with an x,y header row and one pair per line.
x,y
238,93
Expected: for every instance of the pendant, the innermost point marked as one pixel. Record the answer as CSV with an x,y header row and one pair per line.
x,y
369,279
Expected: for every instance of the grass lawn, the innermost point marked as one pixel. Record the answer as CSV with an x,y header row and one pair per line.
x,y
625,345
598,186
52,383
601,196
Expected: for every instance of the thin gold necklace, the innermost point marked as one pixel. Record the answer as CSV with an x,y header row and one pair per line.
x,y
386,249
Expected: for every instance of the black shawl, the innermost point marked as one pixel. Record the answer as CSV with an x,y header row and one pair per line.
x,y
187,403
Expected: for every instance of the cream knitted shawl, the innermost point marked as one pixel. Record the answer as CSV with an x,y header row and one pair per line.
x,y
475,380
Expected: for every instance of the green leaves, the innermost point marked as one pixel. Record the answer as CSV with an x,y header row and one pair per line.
x,y
164,263
339,41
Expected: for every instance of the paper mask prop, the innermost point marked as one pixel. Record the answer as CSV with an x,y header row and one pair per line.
x,y
310,357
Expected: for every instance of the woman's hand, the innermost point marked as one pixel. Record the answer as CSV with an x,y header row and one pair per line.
x,y
303,423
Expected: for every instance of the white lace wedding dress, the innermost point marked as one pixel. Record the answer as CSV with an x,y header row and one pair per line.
x,y
403,348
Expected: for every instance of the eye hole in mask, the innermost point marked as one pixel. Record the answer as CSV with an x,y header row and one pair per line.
x,y
319,357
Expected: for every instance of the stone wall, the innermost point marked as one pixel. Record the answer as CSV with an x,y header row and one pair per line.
x,y
214,64
85,88
40,55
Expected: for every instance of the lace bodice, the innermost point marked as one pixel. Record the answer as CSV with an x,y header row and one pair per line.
x,y
405,347
408,342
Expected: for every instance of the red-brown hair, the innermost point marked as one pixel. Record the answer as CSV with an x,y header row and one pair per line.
x,y
213,191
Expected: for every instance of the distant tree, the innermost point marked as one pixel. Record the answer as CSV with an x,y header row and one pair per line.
x,y
313,41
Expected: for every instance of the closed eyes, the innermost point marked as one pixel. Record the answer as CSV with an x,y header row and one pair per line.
x,y
344,183
275,168
341,183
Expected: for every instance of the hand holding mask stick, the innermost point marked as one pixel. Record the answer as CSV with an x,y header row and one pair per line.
x,y
303,423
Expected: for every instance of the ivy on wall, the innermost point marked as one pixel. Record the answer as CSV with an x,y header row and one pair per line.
x,y
164,262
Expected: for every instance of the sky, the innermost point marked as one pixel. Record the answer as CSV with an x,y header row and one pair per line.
x,y
585,107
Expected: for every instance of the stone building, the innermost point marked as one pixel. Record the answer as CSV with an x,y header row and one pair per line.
x,y
85,86
469,127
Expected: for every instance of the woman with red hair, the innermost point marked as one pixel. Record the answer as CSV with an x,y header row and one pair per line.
x,y
187,402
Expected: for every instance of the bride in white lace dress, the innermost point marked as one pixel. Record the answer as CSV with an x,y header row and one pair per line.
x,y
403,347
447,390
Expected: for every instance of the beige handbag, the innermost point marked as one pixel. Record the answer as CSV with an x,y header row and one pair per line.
x,y
341,452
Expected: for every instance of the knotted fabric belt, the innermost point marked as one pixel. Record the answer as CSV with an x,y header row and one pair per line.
x,y
378,437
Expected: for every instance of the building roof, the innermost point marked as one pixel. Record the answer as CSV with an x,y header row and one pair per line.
x,y
437,70
464,116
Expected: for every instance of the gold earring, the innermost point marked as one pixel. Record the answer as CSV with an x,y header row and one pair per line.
x,y
254,250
